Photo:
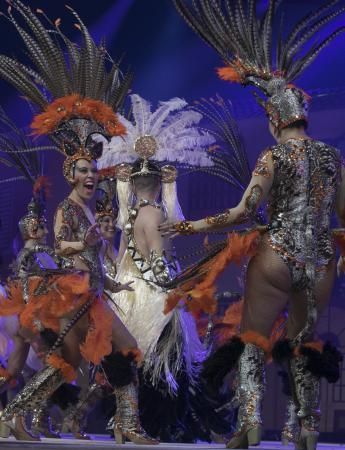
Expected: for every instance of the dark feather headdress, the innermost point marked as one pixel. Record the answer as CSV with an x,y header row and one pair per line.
x,y
229,156
245,42
20,153
76,88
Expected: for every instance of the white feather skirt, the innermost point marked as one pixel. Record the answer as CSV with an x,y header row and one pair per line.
x,y
142,313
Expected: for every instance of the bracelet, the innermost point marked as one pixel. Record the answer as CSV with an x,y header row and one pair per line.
x,y
184,227
218,219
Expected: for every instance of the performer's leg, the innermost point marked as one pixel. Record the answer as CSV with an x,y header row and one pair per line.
x,y
306,386
17,358
121,337
121,370
267,291
71,344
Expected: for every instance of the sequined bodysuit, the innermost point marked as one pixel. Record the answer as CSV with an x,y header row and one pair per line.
x,y
301,202
73,229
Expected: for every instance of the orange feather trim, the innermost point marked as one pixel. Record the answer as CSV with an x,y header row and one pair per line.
x,y
252,337
67,370
229,74
42,184
63,294
14,304
74,105
98,342
315,345
200,295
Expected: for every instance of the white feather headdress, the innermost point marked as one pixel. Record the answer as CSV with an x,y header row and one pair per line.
x,y
170,134
173,127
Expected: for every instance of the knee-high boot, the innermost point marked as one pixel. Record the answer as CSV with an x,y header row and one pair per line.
x,y
249,392
307,393
121,373
76,419
35,393
291,428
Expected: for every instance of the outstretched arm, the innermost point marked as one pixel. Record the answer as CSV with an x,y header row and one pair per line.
x,y
253,196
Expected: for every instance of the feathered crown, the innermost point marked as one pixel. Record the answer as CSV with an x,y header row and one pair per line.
x,y
76,88
169,134
20,153
244,42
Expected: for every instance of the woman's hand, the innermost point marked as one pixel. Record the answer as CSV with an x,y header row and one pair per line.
x,y
341,265
92,236
123,287
183,228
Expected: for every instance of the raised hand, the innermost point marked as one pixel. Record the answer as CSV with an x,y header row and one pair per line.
x,y
92,235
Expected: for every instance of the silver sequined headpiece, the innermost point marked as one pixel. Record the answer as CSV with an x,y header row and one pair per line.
x,y
245,41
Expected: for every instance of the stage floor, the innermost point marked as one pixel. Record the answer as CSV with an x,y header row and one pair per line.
x,y
104,443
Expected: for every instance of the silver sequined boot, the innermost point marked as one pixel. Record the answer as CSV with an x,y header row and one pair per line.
x,y
307,392
291,429
249,392
35,393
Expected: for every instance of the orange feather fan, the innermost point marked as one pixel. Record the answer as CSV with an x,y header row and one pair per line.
x,y
67,370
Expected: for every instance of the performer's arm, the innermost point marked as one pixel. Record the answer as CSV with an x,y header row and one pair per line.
x,y
253,196
63,232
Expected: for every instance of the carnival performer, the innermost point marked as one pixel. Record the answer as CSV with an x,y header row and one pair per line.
x,y
77,109
22,154
301,178
169,342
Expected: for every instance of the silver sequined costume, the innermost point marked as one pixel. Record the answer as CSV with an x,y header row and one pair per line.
x,y
306,176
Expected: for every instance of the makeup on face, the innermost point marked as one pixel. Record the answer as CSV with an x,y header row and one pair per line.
x,y
86,177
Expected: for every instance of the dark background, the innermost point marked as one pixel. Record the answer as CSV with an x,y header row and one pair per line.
x,y
169,60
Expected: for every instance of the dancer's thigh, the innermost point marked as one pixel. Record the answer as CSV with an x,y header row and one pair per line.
x,y
17,358
121,337
298,301
73,339
268,285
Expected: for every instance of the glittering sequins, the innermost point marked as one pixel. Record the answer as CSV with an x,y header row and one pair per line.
x,y
253,200
262,167
218,219
306,176
73,228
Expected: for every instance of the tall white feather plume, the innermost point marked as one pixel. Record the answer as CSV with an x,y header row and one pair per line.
x,y
172,124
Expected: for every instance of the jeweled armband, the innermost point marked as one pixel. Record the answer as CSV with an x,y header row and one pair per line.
x,y
184,227
218,219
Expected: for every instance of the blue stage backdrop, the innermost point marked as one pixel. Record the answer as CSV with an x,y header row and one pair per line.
x,y
169,60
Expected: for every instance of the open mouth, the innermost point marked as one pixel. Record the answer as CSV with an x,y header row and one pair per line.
x,y
89,186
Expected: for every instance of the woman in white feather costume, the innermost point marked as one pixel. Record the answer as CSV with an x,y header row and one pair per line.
x,y
147,196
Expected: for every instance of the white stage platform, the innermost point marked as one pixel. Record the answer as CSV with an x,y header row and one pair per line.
x,y
104,443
